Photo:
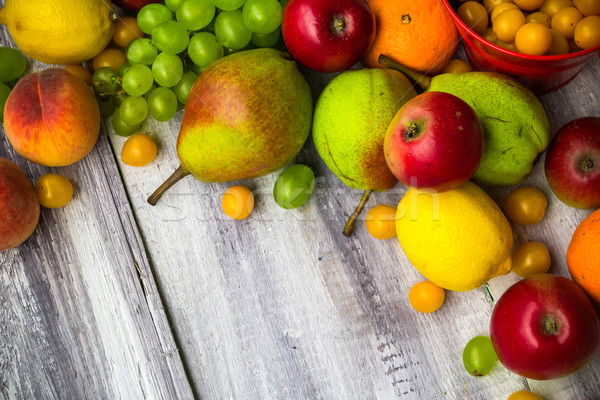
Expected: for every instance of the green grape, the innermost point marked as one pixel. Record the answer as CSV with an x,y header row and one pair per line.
x,y
105,80
183,88
133,110
228,5
170,37
204,49
210,27
147,94
231,31
197,69
479,356
162,104
107,105
152,15
227,51
141,51
124,68
294,186
172,4
167,69
121,127
266,39
12,64
4,92
262,16
137,80
195,14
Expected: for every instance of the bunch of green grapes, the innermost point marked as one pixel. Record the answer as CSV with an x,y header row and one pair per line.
x,y
182,37
12,66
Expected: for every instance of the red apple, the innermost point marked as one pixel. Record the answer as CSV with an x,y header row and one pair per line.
x,y
572,163
134,5
328,36
435,140
544,327
19,206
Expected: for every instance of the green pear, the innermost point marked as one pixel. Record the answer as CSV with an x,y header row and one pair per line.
x,y
515,126
248,114
351,118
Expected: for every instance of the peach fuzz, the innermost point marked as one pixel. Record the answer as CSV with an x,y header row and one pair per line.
x,y
52,118
19,206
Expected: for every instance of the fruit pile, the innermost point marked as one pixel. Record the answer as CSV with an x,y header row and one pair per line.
x,y
535,27
370,127
165,48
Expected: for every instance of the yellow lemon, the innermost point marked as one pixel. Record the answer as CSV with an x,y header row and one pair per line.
x,y
59,31
458,239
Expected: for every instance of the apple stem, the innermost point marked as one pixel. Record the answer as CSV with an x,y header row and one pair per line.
x,y
551,325
349,227
422,80
338,25
587,164
171,180
412,131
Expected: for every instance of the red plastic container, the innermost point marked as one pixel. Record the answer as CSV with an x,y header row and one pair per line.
x,y
542,74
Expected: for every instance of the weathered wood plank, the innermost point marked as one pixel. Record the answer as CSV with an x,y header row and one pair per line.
x,y
280,305
80,313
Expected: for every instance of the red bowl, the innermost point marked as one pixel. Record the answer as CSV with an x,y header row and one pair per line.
x,y
542,74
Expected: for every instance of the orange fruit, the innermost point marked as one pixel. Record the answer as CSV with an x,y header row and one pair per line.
x,y
583,256
417,34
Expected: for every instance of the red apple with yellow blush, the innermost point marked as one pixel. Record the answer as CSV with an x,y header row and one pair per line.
x,y
434,141
328,36
545,327
572,164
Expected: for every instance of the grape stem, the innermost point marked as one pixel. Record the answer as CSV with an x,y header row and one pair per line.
x,y
179,174
349,228
487,289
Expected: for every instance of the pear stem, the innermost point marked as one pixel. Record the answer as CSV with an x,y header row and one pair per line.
x,y
173,179
422,80
349,228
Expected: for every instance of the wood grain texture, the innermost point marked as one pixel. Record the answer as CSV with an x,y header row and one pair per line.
x,y
80,314
282,305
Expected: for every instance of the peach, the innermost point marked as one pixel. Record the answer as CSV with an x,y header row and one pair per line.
x,y
51,118
19,206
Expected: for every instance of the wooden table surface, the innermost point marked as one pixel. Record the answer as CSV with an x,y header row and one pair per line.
x,y
112,298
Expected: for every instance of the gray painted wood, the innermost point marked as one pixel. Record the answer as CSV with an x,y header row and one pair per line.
x,y
80,313
280,305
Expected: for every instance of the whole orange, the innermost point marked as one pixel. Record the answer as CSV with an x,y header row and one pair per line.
x,y
418,34
583,256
